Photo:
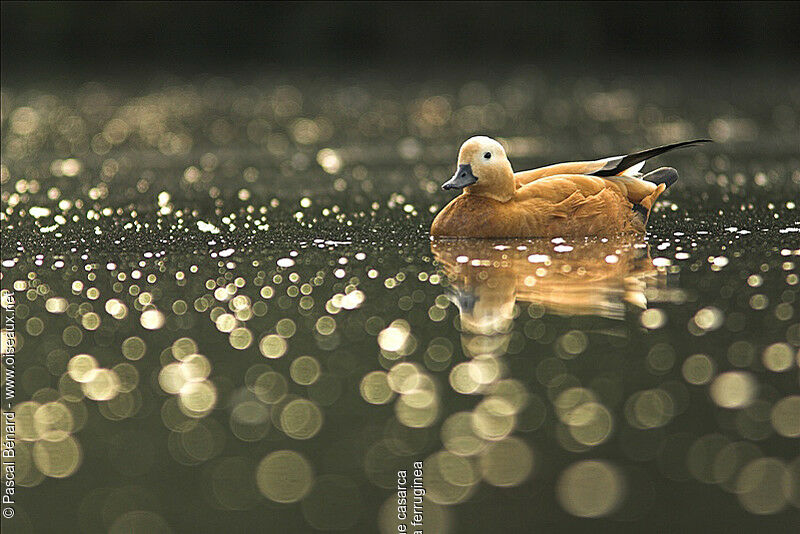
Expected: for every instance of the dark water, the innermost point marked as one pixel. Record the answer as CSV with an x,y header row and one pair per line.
x,y
229,314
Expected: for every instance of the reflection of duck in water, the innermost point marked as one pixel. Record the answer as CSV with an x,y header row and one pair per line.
x,y
581,278
584,198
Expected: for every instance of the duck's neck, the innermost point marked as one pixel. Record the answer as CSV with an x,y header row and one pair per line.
x,y
500,193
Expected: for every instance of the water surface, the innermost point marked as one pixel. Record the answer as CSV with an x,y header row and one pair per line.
x,y
229,311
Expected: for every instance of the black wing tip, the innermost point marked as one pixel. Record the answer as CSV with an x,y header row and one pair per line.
x,y
698,141
681,144
628,161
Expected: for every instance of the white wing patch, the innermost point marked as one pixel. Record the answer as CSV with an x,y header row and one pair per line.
x,y
610,163
635,171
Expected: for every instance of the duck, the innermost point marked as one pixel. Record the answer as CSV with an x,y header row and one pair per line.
x,y
603,197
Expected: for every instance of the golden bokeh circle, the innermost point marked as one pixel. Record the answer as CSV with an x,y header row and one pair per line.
x,y
305,370
53,421
196,399
412,413
493,419
698,369
595,424
171,378
128,376
375,389
25,418
195,368
734,389
240,338
448,479
590,488
101,384
507,462
273,346
57,459
459,437
270,387
133,348
785,416
301,419
250,421
760,486
183,347
80,366
284,476
152,319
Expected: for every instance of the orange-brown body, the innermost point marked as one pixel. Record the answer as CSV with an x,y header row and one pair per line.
x,y
560,205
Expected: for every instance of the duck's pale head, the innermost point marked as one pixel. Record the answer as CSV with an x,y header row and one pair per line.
x,y
483,169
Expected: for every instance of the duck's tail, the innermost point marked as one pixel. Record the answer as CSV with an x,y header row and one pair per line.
x,y
663,178
620,164
664,175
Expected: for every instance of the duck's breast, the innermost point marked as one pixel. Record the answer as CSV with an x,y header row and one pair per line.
x,y
477,216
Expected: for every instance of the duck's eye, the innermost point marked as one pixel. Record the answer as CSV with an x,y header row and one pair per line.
x,y
488,155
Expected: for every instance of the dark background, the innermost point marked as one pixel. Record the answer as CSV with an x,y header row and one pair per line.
x,y
59,38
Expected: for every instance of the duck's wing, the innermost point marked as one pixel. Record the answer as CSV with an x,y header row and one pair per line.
x,y
572,167
556,189
625,165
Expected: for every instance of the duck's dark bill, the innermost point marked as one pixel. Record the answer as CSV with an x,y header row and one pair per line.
x,y
462,178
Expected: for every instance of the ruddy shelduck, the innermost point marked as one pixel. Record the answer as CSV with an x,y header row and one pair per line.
x,y
584,198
